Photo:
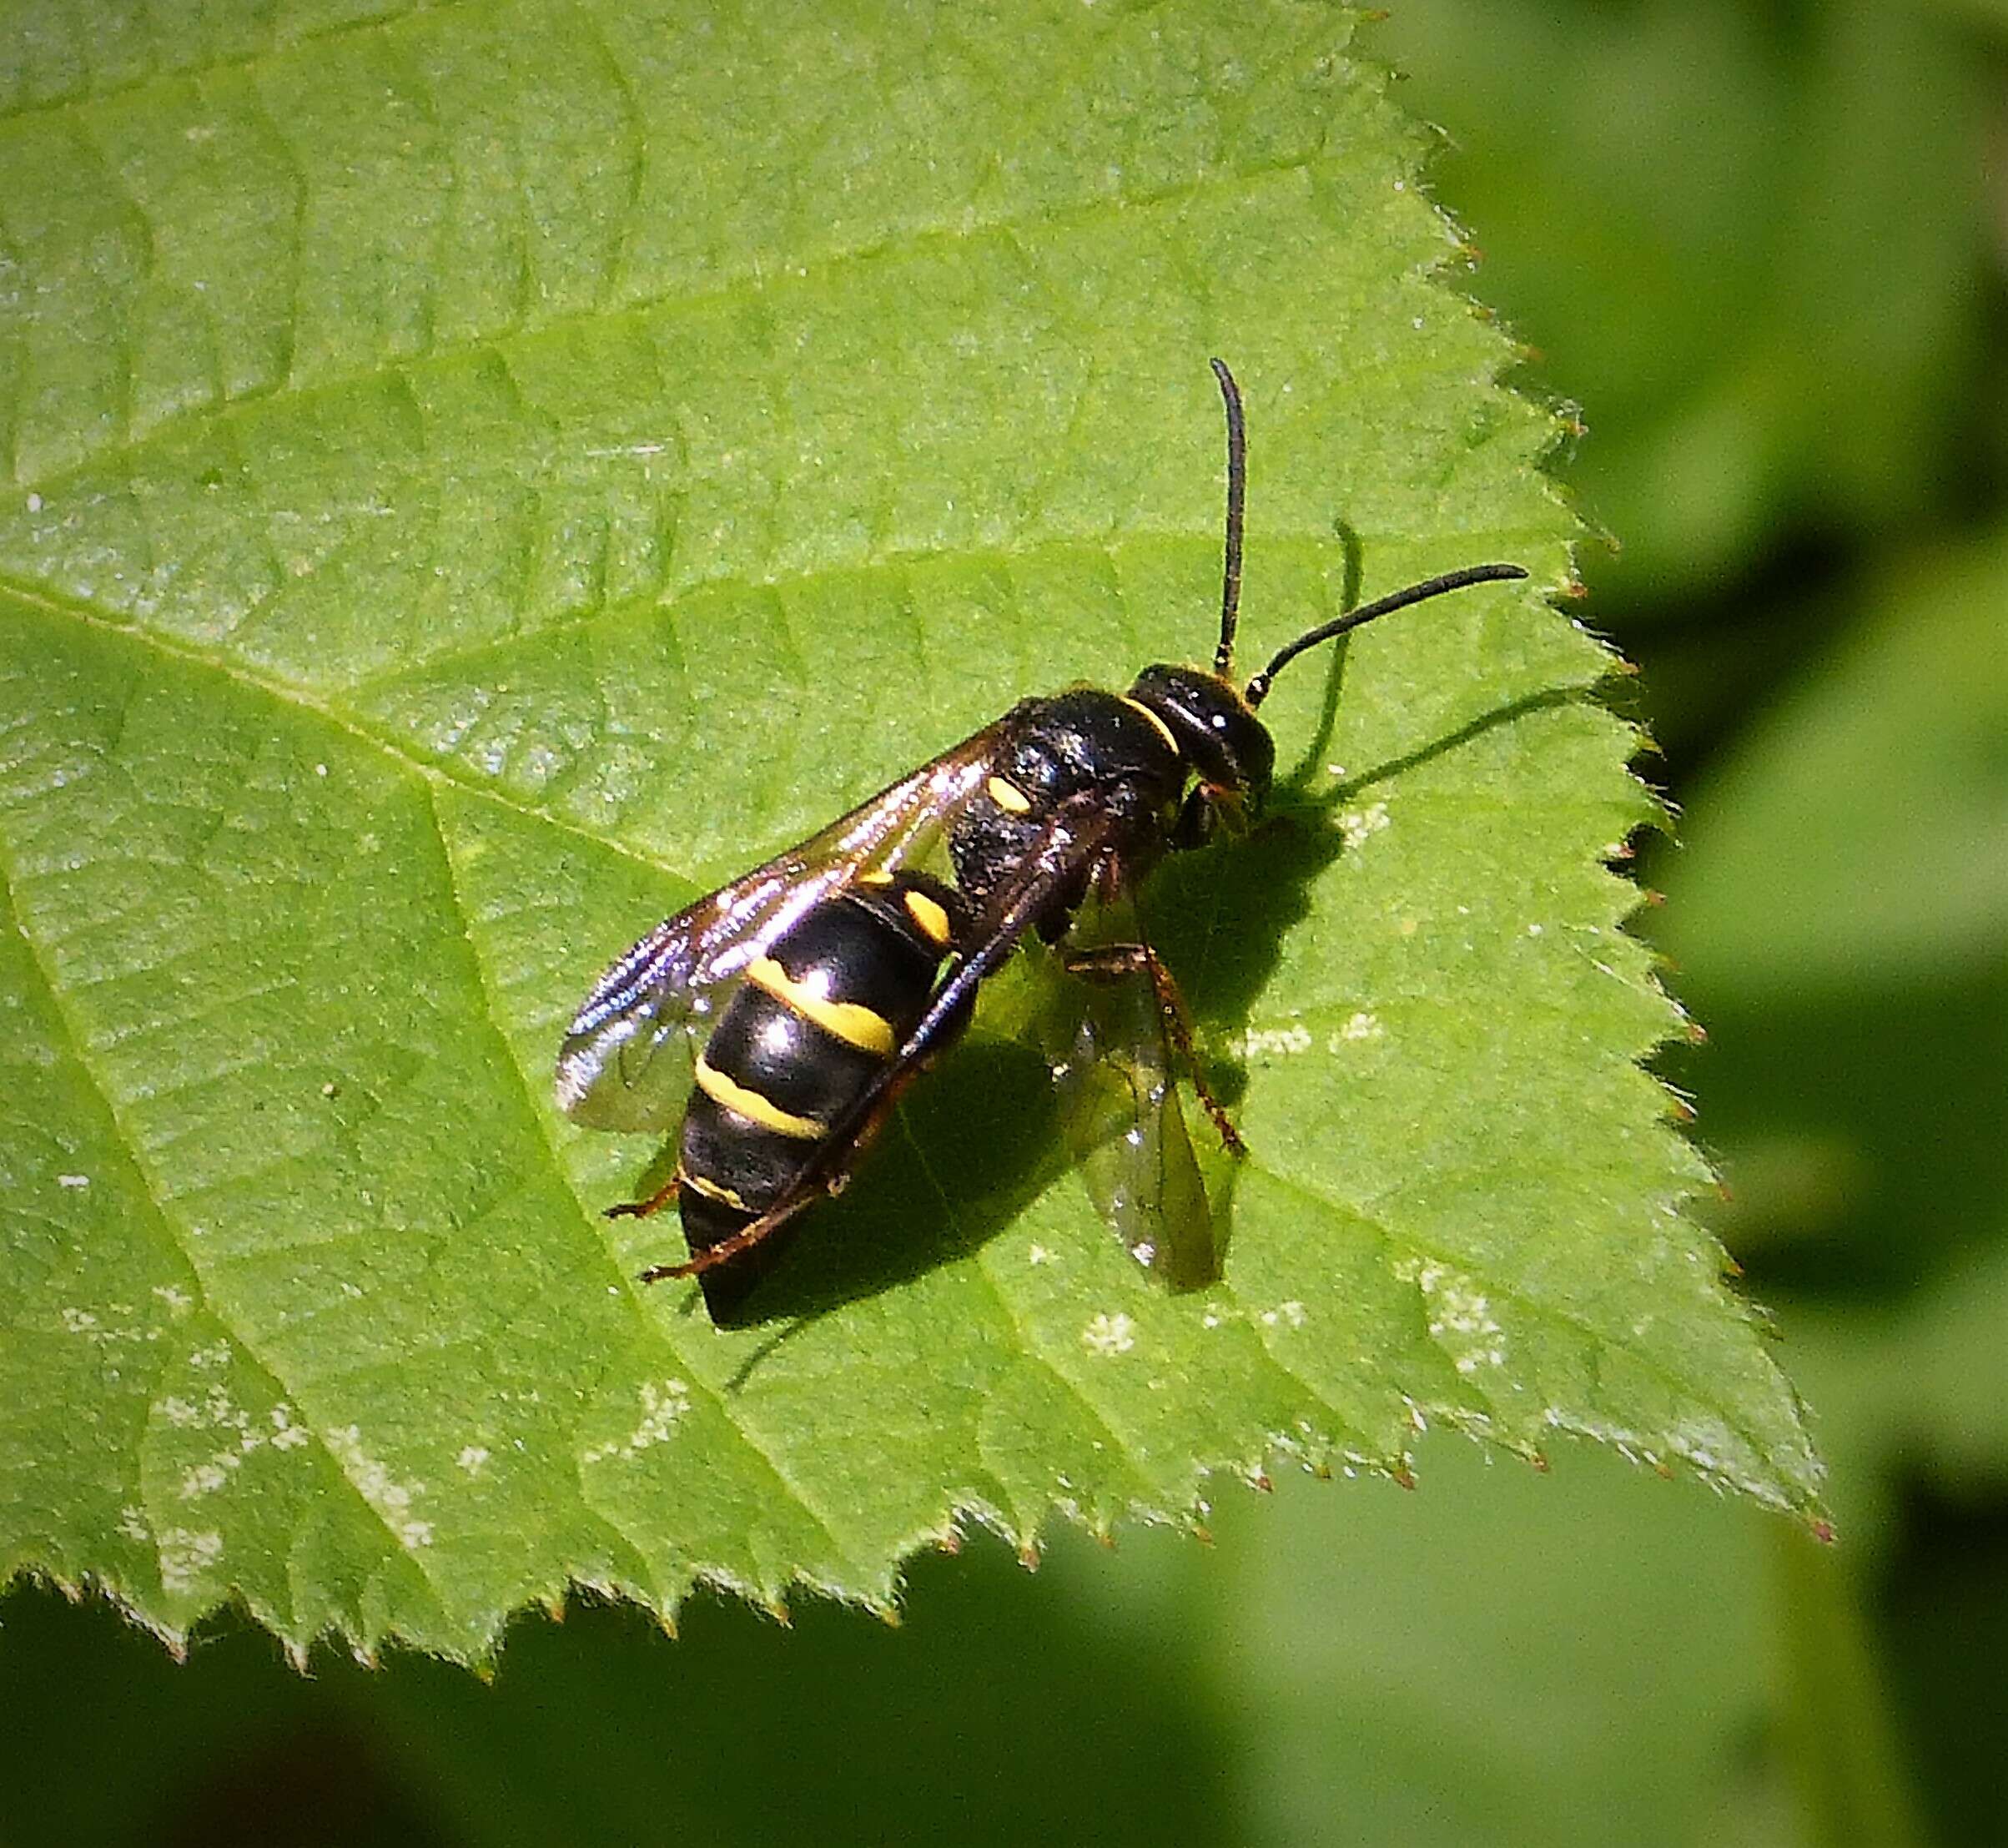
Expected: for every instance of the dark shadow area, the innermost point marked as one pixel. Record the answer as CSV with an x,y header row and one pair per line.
x,y
1864,1136
1312,753
231,1747
1000,1712
973,1141
1945,1627
1546,702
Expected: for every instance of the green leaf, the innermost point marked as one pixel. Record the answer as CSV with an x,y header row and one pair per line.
x,y
485,476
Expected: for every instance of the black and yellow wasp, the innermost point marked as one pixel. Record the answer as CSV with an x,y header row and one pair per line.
x,y
783,1015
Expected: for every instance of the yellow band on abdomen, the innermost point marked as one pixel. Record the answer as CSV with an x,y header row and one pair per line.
x,y
711,1189
753,1107
850,1021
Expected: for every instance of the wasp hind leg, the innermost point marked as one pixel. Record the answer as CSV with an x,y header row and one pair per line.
x,y
1112,962
654,1204
754,1232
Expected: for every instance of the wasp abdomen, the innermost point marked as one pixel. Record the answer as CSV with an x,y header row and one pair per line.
x,y
818,1018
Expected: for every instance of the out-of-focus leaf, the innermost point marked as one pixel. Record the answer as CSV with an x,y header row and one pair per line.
x,y
1745,237
1839,918
1575,1658
1858,835
1913,1393
1581,1658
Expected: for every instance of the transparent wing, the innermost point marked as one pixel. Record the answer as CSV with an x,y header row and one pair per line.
x,y
1124,1125
626,1061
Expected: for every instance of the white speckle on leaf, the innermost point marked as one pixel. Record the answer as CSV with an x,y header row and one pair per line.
x,y
661,1407
1110,1334
179,1301
1291,1314
205,1478
73,1180
472,1457
133,1522
1461,1318
1533,930
184,1555
34,503
1258,1042
1361,1025
80,1322
374,1481
218,1356
1356,826
1039,1254
286,1435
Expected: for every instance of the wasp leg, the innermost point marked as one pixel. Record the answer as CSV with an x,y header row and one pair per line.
x,y
1111,962
645,1209
747,1236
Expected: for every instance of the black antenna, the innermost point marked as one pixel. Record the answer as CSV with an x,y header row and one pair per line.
x,y
1237,484
1258,688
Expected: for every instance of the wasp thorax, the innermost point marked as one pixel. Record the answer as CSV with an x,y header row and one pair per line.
x,y
1223,742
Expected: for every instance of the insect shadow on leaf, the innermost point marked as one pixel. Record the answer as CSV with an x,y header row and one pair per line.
x,y
825,982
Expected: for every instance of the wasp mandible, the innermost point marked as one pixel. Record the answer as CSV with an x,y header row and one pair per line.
x,y
780,1017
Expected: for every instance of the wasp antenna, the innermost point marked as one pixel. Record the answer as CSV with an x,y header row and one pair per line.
x,y
1257,689
1237,484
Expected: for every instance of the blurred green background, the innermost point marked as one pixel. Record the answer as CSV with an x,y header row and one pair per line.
x,y
1763,242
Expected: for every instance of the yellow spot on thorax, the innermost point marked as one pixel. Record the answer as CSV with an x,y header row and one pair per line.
x,y
1008,797
930,916
850,1021
753,1107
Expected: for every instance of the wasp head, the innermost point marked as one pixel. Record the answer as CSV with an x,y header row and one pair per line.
x,y
1227,749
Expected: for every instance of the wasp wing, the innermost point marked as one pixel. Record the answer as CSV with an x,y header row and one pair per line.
x,y
628,1060
1124,1125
